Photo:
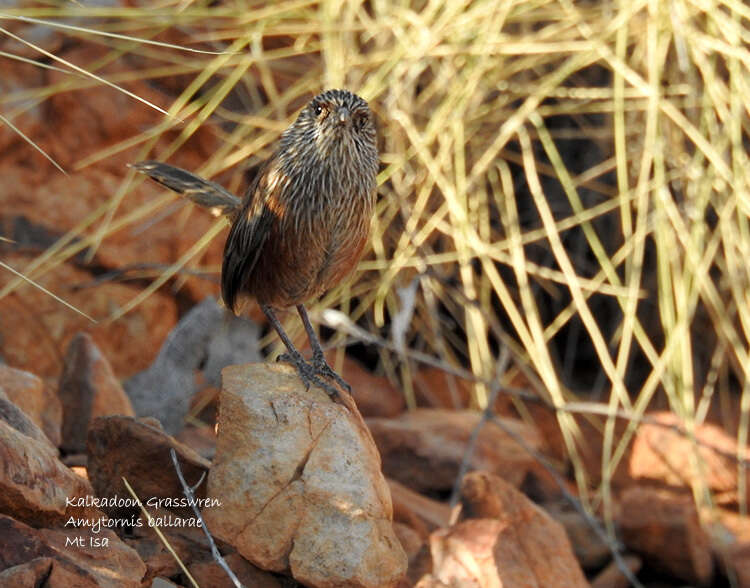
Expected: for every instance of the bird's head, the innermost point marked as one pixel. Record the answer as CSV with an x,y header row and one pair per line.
x,y
337,127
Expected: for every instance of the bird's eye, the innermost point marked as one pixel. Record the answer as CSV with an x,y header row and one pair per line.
x,y
360,120
319,109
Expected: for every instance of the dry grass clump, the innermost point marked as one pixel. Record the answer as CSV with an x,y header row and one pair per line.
x,y
567,180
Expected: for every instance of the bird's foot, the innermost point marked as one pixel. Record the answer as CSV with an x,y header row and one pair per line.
x,y
323,369
308,373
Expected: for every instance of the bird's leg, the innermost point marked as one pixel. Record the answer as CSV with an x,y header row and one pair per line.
x,y
307,373
318,359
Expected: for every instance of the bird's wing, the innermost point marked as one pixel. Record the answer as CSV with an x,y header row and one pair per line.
x,y
203,192
249,232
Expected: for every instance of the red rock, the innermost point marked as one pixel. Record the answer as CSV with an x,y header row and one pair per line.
x,y
664,528
612,576
32,573
42,36
375,395
546,422
200,438
503,553
421,513
156,558
33,397
589,445
188,542
299,481
34,485
531,548
435,388
60,575
663,455
423,449
88,389
101,554
210,574
420,566
16,80
417,552
738,561
70,126
75,562
77,123
35,329
592,553
17,419
120,446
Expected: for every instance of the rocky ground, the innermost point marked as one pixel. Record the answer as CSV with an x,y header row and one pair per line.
x,y
303,489
298,488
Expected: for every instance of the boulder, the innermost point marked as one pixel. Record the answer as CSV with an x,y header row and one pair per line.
x,y
137,450
35,486
299,482
423,448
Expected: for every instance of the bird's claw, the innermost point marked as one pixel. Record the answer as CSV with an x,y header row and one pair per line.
x,y
323,369
309,373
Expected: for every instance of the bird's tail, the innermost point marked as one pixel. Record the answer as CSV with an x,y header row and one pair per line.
x,y
202,192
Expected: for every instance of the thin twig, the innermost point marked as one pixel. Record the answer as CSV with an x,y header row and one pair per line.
x,y
143,270
43,289
21,134
487,414
338,320
190,495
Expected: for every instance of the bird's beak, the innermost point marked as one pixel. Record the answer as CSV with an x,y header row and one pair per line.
x,y
343,115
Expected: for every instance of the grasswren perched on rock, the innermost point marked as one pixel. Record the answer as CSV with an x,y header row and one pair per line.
x,y
304,221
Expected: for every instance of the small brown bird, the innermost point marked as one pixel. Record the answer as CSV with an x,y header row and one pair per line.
x,y
305,218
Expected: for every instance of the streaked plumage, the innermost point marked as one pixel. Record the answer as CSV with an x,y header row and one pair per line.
x,y
305,219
